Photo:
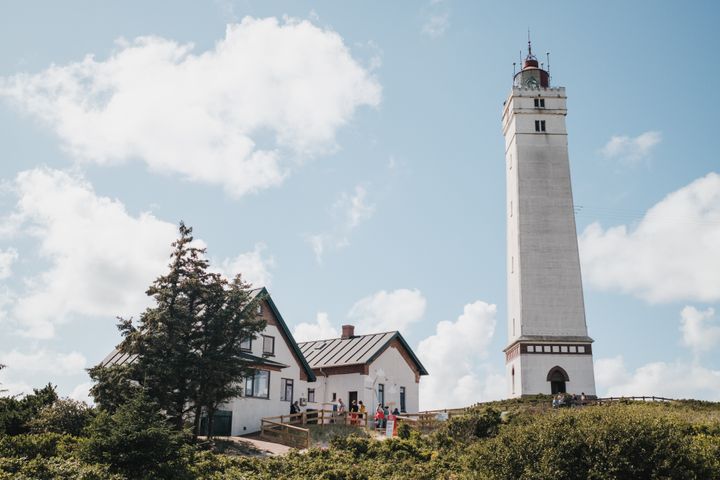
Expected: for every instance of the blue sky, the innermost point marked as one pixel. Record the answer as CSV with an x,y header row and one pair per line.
x,y
350,156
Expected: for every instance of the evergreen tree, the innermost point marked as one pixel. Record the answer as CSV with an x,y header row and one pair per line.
x,y
229,318
187,346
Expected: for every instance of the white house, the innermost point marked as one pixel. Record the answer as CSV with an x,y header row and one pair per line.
x,y
375,368
281,374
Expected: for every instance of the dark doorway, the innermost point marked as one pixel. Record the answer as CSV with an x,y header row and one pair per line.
x,y
557,377
222,424
352,396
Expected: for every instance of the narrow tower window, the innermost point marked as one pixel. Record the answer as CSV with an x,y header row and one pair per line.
x,y
542,125
537,125
539,103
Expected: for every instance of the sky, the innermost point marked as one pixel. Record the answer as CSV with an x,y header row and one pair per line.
x,y
349,156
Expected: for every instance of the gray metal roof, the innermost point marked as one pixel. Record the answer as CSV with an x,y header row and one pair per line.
x,y
337,352
118,358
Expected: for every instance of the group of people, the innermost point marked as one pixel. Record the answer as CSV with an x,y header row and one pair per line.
x,y
567,400
382,415
358,413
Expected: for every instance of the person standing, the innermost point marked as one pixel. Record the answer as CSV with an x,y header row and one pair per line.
x,y
379,416
353,412
363,413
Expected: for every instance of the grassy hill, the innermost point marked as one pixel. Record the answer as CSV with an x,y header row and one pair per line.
x,y
622,440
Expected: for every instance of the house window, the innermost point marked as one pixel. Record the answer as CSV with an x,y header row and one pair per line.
x,y
268,345
259,309
402,400
381,394
539,103
311,395
286,390
246,344
258,385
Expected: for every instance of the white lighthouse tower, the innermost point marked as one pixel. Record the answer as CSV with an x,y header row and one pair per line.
x,y
549,350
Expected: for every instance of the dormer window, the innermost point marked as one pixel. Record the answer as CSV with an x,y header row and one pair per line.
x,y
268,345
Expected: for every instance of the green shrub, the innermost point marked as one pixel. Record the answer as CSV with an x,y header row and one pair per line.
x,y
53,469
136,441
16,413
33,445
64,416
618,441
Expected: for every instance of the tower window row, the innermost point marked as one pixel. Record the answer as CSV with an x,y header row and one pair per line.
x,y
539,125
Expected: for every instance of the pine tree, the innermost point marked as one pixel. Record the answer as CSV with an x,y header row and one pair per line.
x,y
187,346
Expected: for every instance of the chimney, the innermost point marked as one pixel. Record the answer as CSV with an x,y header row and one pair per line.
x,y
348,331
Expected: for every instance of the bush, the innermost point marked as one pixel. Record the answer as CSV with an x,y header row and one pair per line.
x,y
137,442
618,441
36,445
16,413
53,469
64,416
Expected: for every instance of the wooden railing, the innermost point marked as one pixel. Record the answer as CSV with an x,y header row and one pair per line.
x,y
288,429
284,433
600,401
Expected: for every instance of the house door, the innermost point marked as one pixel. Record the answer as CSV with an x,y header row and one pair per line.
x,y
222,423
352,396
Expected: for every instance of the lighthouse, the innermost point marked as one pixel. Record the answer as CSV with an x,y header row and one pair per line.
x,y
549,350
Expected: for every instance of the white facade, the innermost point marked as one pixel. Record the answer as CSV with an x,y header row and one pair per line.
x,y
247,411
389,373
546,313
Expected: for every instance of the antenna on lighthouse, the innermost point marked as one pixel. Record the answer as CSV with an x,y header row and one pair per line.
x,y
548,64
529,44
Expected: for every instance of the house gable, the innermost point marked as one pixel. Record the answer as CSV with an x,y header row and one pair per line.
x,y
271,315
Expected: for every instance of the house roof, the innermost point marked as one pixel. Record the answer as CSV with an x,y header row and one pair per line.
x,y
356,350
118,358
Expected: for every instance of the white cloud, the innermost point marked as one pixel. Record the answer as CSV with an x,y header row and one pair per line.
x,y
320,330
660,379
672,254
352,210
234,115
81,393
101,258
386,311
454,356
7,258
631,149
10,388
436,24
254,267
697,334
44,361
